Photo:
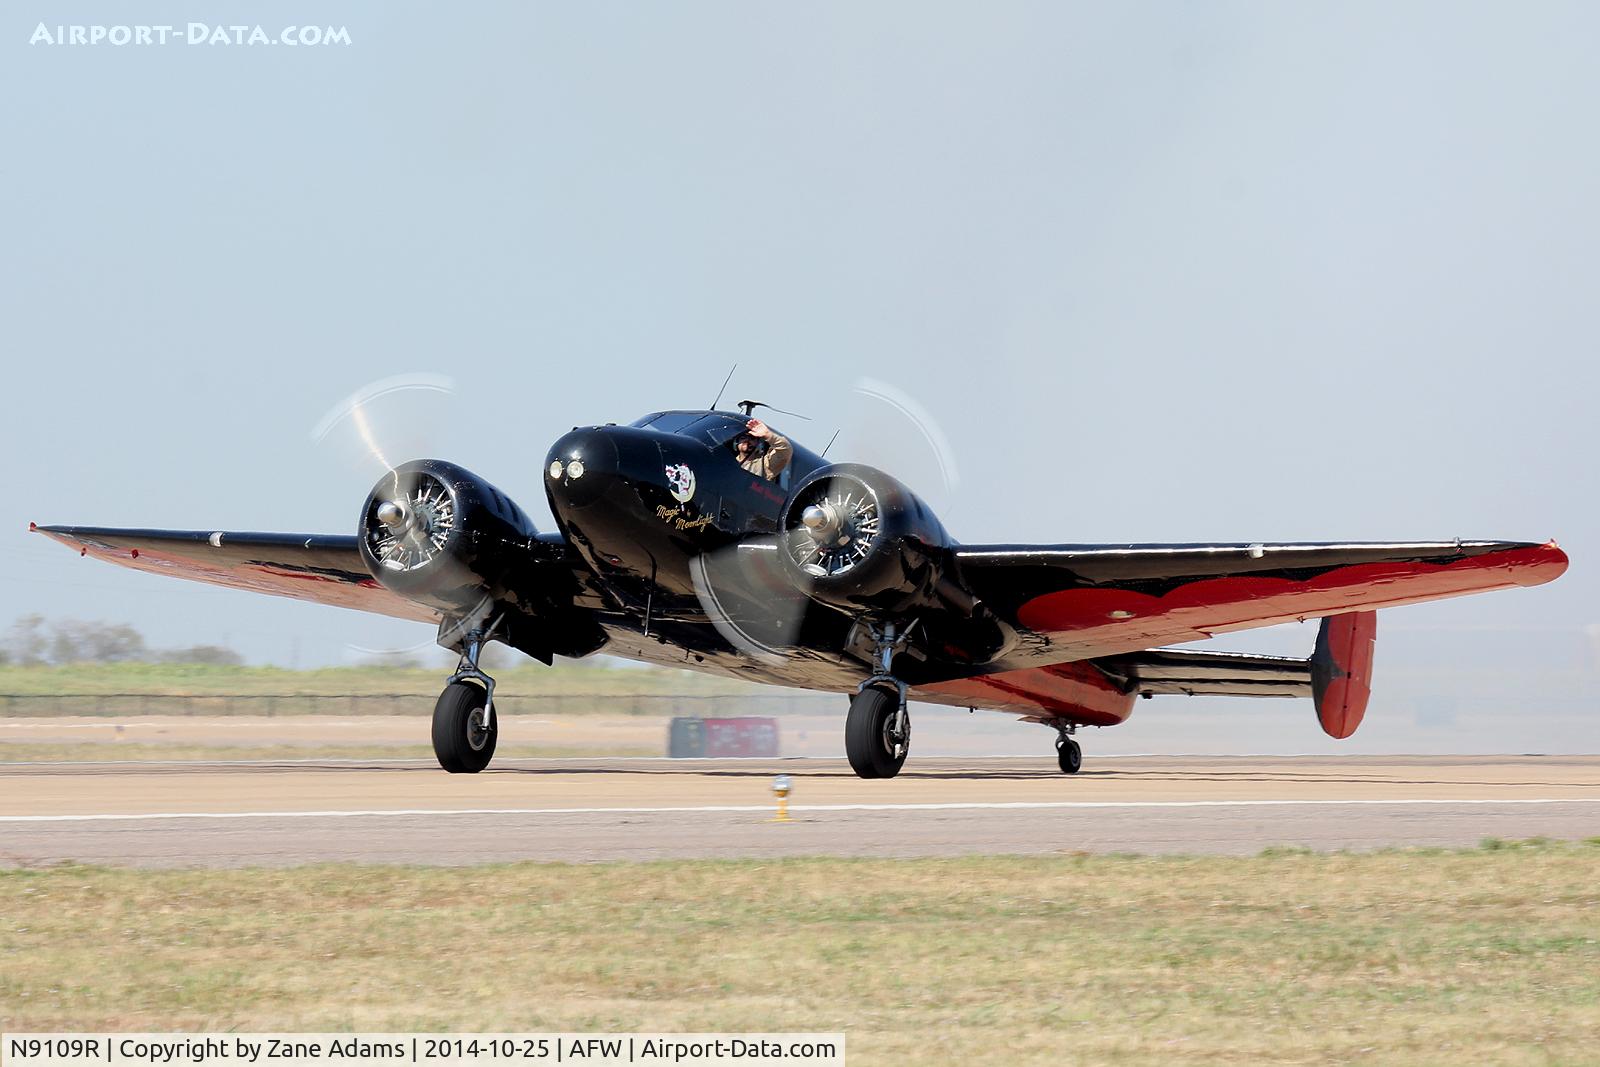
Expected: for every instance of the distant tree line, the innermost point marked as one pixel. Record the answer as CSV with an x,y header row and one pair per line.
x,y
34,640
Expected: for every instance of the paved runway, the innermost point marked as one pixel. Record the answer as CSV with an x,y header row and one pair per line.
x,y
375,811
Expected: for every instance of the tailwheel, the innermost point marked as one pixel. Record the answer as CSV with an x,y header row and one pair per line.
x,y
464,733
876,734
1069,755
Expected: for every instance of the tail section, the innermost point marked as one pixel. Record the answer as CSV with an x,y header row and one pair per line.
x,y
1337,677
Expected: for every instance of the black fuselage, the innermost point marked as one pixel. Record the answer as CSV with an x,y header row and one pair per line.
x,y
654,500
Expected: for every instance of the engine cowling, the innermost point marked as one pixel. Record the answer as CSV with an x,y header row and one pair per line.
x,y
437,533
858,539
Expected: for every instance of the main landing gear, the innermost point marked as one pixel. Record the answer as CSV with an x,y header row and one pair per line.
x,y
877,732
1068,755
464,723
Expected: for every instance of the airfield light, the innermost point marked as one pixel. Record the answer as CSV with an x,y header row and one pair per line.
x,y
781,788
555,469
575,469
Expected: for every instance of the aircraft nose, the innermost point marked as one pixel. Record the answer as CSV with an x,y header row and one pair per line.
x,y
582,466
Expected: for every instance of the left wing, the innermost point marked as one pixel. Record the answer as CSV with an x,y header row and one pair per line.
x,y
1077,602
324,568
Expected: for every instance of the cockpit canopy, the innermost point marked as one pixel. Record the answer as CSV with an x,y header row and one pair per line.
x,y
715,428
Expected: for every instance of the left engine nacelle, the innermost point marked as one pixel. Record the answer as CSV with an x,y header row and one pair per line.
x,y
437,533
859,540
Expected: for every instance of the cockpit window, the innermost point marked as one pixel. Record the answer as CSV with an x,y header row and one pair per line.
x,y
714,429
670,421
720,430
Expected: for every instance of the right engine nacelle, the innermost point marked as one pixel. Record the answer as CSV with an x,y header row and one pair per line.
x,y
857,539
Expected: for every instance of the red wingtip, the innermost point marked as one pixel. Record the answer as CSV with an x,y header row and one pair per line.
x,y
33,527
1543,564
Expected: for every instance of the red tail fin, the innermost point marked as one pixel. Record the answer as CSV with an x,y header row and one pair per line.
x,y
1341,671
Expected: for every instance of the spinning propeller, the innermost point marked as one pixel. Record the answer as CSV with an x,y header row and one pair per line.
x,y
372,432
758,593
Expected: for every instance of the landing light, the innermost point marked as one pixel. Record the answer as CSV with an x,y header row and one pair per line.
x,y
575,469
555,469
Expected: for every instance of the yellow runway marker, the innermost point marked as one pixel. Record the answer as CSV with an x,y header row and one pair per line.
x,y
781,787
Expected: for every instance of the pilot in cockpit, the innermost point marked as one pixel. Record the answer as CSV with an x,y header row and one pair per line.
x,y
762,450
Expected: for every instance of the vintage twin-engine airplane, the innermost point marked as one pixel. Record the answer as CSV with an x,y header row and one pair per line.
x,y
829,576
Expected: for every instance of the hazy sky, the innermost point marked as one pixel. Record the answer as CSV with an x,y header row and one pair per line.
x,y
1160,271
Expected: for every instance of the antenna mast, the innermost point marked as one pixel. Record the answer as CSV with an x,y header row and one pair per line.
x,y
724,388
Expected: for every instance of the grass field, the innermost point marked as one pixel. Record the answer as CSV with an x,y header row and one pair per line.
x,y
116,690
1484,956
177,679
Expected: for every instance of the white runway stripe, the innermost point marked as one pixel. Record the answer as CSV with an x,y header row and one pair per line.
x,y
1021,805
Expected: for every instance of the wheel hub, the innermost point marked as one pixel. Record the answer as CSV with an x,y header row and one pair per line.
x,y
477,731
895,741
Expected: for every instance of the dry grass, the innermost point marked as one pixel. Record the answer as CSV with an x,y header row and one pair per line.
x,y
1486,956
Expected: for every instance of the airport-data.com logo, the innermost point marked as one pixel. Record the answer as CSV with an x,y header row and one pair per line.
x,y
192,33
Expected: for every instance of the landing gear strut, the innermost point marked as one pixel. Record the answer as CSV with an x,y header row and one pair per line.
x,y
1068,755
464,724
877,732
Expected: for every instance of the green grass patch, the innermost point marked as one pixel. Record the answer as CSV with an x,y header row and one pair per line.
x,y
1477,956
119,689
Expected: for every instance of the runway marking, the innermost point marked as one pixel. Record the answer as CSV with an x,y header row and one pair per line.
x,y
1026,805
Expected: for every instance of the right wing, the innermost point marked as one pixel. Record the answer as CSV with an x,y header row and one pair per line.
x,y
324,568
1075,602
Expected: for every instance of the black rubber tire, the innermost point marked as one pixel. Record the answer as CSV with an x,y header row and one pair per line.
x,y
1069,756
871,712
460,743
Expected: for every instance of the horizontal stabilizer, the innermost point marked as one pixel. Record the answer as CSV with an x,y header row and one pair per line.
x,y
1337,677
1235,674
